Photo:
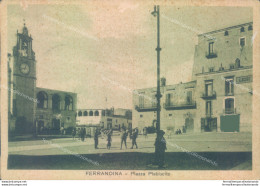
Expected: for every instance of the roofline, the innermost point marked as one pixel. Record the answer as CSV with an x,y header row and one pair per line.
x,y
193,81
57,90
224,29
102,109
91,109
225,71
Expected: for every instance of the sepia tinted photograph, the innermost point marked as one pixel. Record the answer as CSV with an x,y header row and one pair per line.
x,y
126,85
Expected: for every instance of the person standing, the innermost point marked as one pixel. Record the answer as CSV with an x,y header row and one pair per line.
x,y
145,132
123,138
160,147
134,136
109,139
83,134
73,133
96,138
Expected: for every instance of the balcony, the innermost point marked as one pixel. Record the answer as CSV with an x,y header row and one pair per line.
x,y
182,106
230,111
144,108
211,55
208,96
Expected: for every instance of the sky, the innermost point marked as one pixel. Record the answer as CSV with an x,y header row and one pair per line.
x,y
103,53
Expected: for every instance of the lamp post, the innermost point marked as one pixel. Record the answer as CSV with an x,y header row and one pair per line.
x,y
156,13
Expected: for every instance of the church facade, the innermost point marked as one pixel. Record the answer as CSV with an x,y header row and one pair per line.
x,y
33,109
219,97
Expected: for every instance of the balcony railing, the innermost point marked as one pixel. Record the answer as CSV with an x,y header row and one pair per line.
x,y
229,111
211,55
145,108
174,106
206,95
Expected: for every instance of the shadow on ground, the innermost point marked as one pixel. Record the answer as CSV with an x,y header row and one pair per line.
x,y
132,161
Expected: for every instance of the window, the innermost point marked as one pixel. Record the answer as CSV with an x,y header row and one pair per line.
x,y
168,99
237,63
209,88
226,33
242,29
91,113
229,106
250,27
229,86
68,103
189,97
154,101
232,66
42,100
85,113
103,112
141,115
141,100
170,115
79,113
211,69
211,48
208,108
211,53
96,113
242,41
68,118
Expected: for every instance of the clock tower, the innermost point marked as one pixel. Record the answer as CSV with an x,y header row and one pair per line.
x,y
24,82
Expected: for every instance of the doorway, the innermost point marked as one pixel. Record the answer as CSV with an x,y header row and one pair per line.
x,y
189,125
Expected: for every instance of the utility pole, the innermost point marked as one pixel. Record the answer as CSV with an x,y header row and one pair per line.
x,y
156,13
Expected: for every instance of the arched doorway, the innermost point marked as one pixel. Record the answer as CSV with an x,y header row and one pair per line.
x,y
42,99
68,103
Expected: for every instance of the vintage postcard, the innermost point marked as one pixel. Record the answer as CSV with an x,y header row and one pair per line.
x,y
130,89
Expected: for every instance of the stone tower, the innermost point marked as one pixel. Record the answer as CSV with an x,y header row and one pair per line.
x,y
24,82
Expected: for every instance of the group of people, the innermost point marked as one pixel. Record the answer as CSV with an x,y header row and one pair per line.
x,y
133,136
178,131
81,132
160,142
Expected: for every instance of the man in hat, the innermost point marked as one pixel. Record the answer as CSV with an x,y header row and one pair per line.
x,y
160,147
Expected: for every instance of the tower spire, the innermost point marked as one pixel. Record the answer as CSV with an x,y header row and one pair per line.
x,y
25,30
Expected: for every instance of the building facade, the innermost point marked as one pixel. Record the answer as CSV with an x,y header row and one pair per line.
x,y
55,109
219,97
32,108
114,119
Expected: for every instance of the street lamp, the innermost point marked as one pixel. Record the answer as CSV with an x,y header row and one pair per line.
x,y
156,13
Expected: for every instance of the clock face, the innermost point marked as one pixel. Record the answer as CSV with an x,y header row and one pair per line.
x,y
24,68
